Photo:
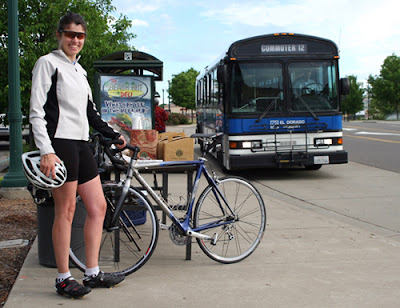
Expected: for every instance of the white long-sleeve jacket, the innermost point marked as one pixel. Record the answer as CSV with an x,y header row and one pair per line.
x,y
61,103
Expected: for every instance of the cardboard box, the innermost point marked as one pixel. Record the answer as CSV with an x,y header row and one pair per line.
x,y
176,148
163,139
165,135
146,140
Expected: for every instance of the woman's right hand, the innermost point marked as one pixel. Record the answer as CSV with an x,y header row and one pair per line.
x,y
48,164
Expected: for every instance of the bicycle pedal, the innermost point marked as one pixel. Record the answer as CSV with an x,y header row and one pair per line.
x,y
163,226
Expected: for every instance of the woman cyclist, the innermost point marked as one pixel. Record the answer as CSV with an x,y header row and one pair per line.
x,y
61,110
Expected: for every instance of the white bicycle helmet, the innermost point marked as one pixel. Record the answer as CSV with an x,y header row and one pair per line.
x,y
31,163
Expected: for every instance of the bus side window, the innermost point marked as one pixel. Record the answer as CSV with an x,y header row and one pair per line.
x,y
201,92
198,99
215,88
210,88
205,91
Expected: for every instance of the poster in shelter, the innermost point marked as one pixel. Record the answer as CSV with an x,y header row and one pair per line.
x,y
126,102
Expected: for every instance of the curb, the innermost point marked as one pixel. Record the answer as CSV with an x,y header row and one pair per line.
x,y
15,193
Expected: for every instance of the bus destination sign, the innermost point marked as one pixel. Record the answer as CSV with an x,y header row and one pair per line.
x,y
284,49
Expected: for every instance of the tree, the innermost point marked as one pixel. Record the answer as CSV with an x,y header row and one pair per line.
x,y
386,86
353,102
182,89
38,22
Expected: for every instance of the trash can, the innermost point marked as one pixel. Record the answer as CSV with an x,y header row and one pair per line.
x,y
45,217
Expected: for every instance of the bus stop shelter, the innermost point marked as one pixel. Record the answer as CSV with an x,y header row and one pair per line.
x,y
136,62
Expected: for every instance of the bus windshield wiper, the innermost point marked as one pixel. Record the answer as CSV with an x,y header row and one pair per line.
x,y
267,109
307,107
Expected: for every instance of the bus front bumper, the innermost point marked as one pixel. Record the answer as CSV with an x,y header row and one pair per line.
x,y
278,160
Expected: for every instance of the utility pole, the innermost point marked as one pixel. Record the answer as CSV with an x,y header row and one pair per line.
x,y
169,102
369,91
15,176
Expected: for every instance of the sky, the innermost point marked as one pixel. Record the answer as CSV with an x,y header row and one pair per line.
x,y
186,34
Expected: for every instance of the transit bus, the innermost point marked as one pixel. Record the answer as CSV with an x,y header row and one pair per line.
x,y
276,99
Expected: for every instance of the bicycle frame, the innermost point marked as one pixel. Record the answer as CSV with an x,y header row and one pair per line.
x,y
133,171
226,215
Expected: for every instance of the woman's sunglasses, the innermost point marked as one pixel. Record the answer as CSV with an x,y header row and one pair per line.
x,y
72,34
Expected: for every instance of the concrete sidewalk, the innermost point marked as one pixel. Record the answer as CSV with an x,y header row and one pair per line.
x,y
306,259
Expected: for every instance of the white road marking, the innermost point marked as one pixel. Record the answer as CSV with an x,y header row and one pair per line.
x,y
377,134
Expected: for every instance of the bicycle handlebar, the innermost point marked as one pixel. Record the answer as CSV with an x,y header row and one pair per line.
x,y
211,141
118,163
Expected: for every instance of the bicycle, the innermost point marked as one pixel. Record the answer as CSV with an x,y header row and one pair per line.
x,y
228,220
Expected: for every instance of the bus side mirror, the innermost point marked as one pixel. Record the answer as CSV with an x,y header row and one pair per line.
x,y
222,73
344,86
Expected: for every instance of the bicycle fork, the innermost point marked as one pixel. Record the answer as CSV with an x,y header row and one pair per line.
x,y
124,192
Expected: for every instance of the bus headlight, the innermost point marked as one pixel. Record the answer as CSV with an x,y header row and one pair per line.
x,y
250,144
328,141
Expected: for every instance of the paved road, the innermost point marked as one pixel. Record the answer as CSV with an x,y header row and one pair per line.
x,y
373,143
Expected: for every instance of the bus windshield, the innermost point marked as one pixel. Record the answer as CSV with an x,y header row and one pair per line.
x,y
313,86
257,87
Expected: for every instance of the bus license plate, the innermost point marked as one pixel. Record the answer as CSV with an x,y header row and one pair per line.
x,y
320,160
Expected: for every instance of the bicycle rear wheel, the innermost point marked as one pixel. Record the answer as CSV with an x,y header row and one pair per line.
x,y
127,248
244,228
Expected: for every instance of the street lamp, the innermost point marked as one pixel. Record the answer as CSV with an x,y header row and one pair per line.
x,y
15,176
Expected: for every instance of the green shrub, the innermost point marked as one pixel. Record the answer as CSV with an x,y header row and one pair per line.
x,y
177,119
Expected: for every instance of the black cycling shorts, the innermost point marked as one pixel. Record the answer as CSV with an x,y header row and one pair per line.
x,y
78,159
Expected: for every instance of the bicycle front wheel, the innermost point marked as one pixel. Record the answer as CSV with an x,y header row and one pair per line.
x,y
126,248
235,219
